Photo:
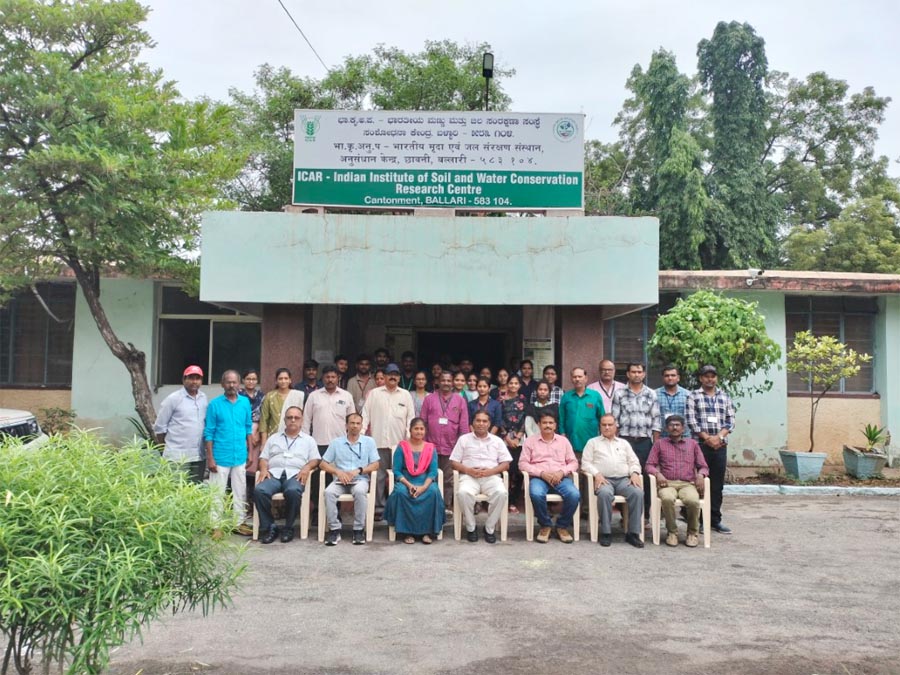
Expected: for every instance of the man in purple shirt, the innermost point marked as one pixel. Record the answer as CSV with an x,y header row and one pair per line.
x,y
679,467
446,416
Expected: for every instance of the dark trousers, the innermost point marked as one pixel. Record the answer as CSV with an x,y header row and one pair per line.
x,y
642,447
716,460
291,488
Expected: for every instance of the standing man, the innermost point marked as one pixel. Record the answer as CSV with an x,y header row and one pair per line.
x,y
637,413
325,416
466,366
580,410
387,412
616,471
342,363
672,396
710,417
228,432
446,416
284,466
382,358
550,462
481,458
408,371
527,378
179,424
311,380
606,386
351,459
362,382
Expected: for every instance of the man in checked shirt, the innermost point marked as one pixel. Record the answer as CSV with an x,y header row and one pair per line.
x,y
710,417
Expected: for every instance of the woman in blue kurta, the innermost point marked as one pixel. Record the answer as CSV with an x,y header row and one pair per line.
x,y
416,506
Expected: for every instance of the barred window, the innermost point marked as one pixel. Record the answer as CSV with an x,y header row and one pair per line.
x,y
625,338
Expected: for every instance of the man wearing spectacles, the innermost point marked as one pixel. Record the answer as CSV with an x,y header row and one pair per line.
x,y
607,385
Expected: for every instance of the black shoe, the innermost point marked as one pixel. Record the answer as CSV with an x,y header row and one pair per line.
x,y
605,539
332,537
359,537
490,537
271,536
721,529
287,534
472,536
634,540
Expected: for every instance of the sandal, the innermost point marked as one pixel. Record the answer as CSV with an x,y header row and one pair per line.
x,y
426,539
409,540
513,508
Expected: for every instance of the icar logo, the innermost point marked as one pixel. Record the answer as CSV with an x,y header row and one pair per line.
x,y
310,127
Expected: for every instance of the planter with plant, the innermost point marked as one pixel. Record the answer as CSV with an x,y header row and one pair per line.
x,y
867,461
821,363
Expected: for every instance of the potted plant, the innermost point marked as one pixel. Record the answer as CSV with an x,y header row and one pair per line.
x,y
867,461
820,362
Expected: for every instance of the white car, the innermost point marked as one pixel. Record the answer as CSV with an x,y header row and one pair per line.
x,y
23,425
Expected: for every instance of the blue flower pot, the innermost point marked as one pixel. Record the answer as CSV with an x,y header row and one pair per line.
x,y
863,464
803,466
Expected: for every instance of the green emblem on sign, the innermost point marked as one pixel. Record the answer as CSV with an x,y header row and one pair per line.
x,y
565,129
310,127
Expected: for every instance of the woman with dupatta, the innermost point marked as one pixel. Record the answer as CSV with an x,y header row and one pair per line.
x,y
415,507
271,412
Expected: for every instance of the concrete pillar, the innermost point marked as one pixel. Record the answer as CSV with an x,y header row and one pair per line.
x,y
284,337
325,333
581,340
538,336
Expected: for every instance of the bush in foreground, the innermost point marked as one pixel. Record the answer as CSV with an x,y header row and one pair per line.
x,y
97,541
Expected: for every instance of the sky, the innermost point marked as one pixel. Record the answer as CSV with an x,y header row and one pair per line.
x,y
569,57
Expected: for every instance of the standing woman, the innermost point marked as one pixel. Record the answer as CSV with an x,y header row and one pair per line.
x,y
271,412
502,380
420,390
542,404
459,385
415,507
512,431
471,387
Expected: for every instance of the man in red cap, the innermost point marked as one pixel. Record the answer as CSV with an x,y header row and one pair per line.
x,y
179,424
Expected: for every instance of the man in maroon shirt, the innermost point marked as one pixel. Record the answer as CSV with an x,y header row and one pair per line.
x,y
446,416
679,467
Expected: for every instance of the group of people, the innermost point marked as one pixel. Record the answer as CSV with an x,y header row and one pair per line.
x,y
420,425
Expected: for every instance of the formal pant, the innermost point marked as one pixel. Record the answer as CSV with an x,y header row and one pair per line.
x,y
291,488
492,486
218,481
539,489
385,464
444,465
716,460
687,493
642,446
359,488
634,500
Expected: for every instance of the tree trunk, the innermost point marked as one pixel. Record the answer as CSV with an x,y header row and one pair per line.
x,y
134,360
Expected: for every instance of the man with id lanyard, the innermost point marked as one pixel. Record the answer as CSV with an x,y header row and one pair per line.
x,y
284,466
351,459
446,416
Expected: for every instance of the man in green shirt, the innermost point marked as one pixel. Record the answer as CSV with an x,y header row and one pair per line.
x,y
580,411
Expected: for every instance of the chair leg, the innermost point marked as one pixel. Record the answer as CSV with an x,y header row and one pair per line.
x,y
321,516
457,519
255,524
304,515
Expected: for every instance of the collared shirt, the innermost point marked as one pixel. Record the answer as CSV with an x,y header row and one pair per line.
x,y
611,458
555,395
606,393
228,423
636,414
308,388
480,453
387,414
709,414
359,389
325,415
289,455
539,456
492,408
446,419
579,416
677,461
347,456
181,418
671,404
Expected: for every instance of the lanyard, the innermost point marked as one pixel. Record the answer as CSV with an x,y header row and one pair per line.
x,y
446,407
291,444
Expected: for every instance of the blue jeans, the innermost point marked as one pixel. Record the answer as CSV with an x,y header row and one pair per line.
x,y
539,489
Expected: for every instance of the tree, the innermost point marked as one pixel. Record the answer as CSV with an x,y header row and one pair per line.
x,y
443,76
708,328
821,362
104,168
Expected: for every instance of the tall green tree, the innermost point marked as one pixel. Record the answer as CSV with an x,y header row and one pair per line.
x,y
105,169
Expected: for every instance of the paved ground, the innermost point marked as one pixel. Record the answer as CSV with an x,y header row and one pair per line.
x,y
805,585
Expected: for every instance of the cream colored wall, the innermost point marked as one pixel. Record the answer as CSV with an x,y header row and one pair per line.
x,y
35,399
839,421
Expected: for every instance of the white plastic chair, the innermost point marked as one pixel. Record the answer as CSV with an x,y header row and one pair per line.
x,y
279,497
392,533
529,508
594,510
370,505
480,497
656,510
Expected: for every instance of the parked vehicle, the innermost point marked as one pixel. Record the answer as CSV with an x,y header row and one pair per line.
x,y
23,425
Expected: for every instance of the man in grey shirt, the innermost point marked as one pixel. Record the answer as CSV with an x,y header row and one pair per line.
x,y
179,424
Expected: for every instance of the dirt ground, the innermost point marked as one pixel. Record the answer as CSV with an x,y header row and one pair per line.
x,y
805,585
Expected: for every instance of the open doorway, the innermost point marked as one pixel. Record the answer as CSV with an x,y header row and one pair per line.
x,y
484,348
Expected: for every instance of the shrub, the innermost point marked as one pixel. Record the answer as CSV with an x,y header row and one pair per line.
x,y
57,420
95,542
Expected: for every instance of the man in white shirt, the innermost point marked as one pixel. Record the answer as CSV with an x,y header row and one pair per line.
x,y
481,458
180,422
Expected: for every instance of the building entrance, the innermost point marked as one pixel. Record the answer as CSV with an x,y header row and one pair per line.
x,y
490,349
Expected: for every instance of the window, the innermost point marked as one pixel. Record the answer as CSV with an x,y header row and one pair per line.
x,y
625,338
35,348
195,332
849,319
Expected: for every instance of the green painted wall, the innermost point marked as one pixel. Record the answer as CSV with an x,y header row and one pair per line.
x,y
887,368
381,260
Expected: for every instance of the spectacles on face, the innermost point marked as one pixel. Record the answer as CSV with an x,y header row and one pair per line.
x,y
287,418
607,370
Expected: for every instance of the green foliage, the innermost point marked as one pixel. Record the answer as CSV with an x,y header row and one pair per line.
x,y
821,362
874,436
57,420
708,328
95,542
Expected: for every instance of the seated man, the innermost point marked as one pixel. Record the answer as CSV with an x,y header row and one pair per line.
x,y
284,466
616,471
550,461
679,467
351,459
481,458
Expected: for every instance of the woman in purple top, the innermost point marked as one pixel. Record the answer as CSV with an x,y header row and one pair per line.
x,y
512,431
